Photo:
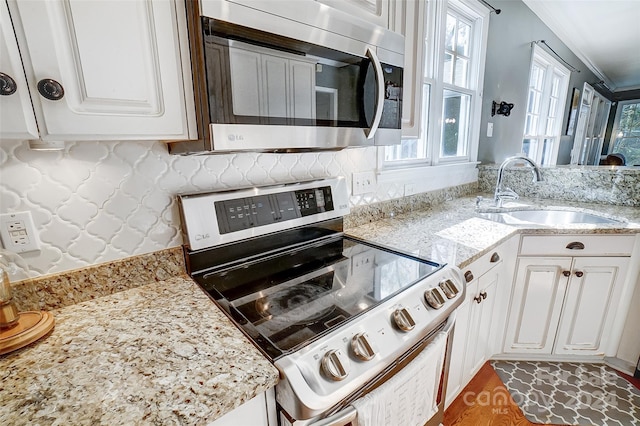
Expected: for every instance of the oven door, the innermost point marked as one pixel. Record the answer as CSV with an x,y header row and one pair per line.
x,y
346,413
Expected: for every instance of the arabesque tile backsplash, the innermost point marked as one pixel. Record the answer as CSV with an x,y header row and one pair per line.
x,y
100,201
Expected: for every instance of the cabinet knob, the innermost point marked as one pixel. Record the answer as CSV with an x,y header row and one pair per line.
x,y
468,276
483,295
579,274
51,89
495,257
8,85
576,245
478,299
566,273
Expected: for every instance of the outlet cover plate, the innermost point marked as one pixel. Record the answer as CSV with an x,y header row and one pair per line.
x,y
363,182
18,232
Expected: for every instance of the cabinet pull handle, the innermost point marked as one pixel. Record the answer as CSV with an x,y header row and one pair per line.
x,y
579,274
50,89
576,245
495,257
483,295
468,276
566,273
478,299
8,85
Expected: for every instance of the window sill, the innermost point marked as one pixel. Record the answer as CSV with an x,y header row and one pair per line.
x,y
430,178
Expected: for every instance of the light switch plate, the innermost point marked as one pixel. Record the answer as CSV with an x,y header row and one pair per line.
x,y
18,232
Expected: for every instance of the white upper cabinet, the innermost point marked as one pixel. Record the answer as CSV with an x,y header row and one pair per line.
x,y
374,11
104,70
16,114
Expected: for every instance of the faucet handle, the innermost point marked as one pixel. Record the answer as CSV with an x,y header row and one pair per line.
x,y
508,193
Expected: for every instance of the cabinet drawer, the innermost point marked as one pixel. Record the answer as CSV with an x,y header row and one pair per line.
x,y
577,245
483,264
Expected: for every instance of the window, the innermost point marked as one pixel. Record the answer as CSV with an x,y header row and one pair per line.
x,y
548,85
454,43
625,138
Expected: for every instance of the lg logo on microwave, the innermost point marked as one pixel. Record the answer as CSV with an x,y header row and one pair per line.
x,y
200,237
233,138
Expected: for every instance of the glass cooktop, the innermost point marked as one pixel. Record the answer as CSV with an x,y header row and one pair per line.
x,y
284,301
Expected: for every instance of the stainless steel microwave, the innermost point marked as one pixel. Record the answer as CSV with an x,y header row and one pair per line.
x,y
289,76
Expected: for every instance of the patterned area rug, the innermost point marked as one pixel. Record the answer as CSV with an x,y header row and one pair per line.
x,y
570,393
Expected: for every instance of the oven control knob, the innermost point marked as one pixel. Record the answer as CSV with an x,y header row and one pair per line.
x,y
335,365
449,288
362,348
403,319
434,298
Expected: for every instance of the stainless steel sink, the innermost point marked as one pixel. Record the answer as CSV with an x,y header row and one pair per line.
x,y
548,217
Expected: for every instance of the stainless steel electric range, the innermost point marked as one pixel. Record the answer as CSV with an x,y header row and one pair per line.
x,y
341,318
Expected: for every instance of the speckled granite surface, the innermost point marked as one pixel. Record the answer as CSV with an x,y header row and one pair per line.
x,y
602,184
453,233
156,354
55,291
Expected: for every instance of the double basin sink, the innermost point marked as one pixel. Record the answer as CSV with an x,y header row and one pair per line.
x,y
548,217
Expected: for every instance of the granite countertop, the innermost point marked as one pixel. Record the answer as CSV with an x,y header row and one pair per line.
x,y
452,232
160,352
156,354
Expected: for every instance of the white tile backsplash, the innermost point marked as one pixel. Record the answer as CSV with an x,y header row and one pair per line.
x,y
100,201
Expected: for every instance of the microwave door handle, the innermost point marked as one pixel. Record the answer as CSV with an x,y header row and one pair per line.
x,y
371,131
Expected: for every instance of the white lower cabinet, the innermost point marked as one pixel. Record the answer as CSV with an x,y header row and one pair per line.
x,y
259,411
472,338
564,305
590,305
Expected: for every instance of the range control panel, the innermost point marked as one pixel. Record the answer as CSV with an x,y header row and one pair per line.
x,y
259,210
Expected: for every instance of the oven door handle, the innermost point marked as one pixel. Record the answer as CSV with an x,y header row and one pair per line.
x,y
341,418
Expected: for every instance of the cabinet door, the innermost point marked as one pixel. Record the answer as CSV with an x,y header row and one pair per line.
x,y
589,306
118,63
275,86
457,379
536,305
408,19
482,309
259,411
17,120
374,11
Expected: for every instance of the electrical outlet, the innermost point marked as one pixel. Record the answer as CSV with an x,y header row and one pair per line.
x,y
410,189
363,182
18,232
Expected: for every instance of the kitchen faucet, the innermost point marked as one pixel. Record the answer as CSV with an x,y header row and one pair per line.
x,y
508,193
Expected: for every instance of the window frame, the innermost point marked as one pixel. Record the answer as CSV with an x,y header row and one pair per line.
x,y
432,71
552,68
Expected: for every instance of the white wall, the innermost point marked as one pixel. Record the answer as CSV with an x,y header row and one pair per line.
x,y
101,201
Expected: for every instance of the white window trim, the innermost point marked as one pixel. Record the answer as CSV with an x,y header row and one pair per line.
x,y
430,178
552,64
400,171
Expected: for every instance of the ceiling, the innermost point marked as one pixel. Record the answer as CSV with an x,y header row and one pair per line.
x,y
604,34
